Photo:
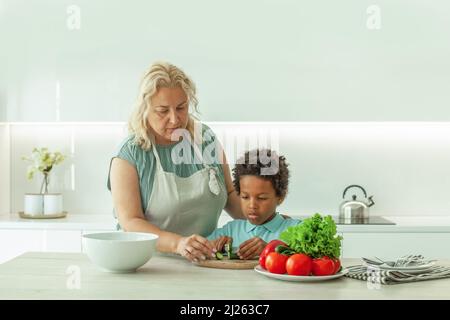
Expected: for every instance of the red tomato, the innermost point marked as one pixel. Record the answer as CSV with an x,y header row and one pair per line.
x,y
299,264
270,247
262,261
276,262
337,265
322,266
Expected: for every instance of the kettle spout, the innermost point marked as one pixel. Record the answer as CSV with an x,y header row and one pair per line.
x,y
371,202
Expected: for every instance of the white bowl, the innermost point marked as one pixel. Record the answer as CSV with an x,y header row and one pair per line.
x,y
118,251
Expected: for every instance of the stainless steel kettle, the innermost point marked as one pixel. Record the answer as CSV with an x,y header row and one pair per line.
x,y
355,209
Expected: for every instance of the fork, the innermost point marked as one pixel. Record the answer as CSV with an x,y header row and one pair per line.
x,y
379,263
409,260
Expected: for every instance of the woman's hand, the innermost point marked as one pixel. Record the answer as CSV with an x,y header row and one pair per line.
x,y
251,248
195,248
220,242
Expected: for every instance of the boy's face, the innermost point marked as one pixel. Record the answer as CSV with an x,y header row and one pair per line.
x,y
258,199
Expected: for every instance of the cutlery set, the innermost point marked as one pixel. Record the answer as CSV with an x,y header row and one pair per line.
x,y
402,262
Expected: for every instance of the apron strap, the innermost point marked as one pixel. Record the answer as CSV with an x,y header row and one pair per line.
x,y
155,153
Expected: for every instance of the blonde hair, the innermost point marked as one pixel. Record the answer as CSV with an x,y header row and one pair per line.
x,y
160,74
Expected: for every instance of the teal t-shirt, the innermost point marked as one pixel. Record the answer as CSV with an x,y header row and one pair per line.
x,y
145,162
242,230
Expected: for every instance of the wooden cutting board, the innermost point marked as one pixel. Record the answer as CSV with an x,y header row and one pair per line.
x,y
228,264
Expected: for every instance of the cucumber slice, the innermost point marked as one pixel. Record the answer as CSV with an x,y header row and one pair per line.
x,y
219,256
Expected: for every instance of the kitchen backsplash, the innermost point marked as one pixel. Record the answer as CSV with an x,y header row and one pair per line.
x,y
404,165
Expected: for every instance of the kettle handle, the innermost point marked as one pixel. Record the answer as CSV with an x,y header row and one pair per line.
x,y
352,186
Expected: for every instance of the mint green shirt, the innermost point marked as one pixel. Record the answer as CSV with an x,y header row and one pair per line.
x,y
145,162
242,230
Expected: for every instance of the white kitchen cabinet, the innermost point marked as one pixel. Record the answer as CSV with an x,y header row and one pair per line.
x,y
19,235
60,83
395,245
15,242
62,240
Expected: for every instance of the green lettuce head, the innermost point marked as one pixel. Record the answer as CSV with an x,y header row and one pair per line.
x,y
315,236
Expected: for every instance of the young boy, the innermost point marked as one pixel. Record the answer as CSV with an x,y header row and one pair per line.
x,y
261,180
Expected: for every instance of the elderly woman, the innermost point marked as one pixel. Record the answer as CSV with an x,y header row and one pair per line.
x,y
154,188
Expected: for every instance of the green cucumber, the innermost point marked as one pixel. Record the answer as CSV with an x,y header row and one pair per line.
x,y
228,249
219,256
234,256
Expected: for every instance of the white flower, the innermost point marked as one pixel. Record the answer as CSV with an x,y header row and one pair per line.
x,y
43,161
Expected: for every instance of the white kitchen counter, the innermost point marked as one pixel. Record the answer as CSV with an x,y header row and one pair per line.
x,y
404,224
45,275
70,222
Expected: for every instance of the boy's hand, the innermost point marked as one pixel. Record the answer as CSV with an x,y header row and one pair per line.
x,y
220,242
251,248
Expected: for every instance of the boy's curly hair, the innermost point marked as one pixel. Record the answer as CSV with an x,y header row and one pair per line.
x,y
266,164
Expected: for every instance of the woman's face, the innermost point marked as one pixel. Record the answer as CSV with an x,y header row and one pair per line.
x,y
258,199
168,112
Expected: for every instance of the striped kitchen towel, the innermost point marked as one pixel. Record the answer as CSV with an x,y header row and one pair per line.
x,y
377,275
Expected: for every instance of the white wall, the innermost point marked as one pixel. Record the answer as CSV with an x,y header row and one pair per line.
x,y
5,170
253,60
404,165
81,177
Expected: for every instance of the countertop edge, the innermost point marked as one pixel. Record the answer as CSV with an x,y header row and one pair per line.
x,y
404,224
84,222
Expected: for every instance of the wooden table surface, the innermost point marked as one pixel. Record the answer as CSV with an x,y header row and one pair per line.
x,y
46,275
